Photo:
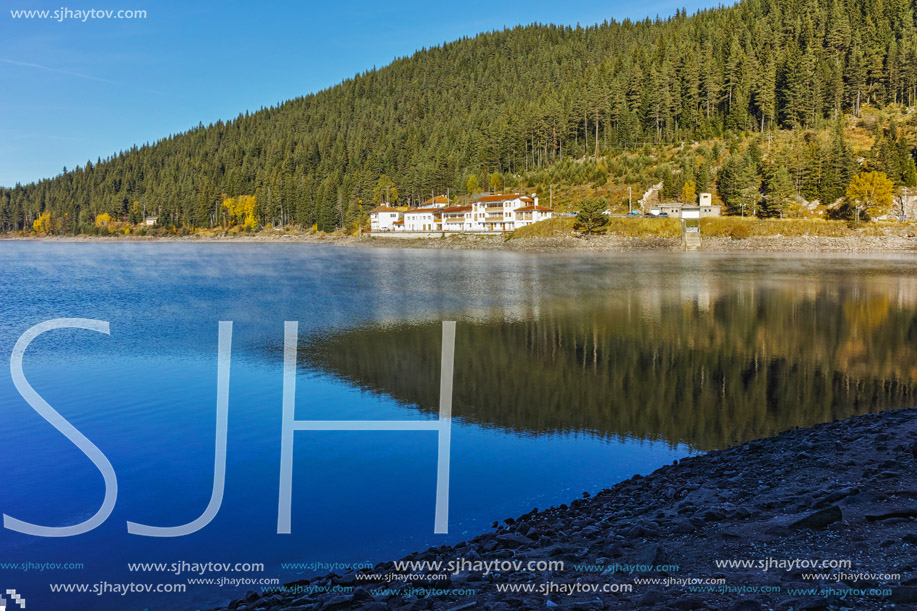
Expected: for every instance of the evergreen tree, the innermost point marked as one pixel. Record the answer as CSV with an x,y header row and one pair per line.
x,y
779,191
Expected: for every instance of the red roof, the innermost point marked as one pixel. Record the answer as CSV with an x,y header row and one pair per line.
x,y
456,209
424,210
439,199
383,208
530,208
499,197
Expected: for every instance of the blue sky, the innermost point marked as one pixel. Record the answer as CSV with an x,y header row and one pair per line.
x,y
75,90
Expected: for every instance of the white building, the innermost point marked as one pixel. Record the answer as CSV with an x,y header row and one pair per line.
x,y
423,219
506,212
383,218
689,211
456,218
488,213
438,201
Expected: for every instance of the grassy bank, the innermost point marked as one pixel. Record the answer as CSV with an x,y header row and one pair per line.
x,y
733,227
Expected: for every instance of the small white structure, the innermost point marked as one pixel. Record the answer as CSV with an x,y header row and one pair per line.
x,y
150,221
383,218
686,211
706,200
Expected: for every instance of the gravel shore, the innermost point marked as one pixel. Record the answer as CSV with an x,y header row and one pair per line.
x,y
597,243
837,492
613,243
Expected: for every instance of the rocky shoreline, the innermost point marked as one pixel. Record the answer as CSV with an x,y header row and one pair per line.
x,y
613,243
864,244
842,492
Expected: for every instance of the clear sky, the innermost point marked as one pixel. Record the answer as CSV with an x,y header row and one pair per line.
x,y
74,90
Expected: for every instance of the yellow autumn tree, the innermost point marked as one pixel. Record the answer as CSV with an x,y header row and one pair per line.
x,y
103,220
872,191
241,211
43,224
689,192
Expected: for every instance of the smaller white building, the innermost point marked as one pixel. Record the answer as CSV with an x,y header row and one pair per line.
x,y
688,211
423,219
383,218
456,218
150,221
532,213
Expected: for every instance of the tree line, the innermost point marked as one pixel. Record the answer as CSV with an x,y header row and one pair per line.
x,y
507,104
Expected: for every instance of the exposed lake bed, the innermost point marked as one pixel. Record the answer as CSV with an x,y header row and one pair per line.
x,y
842,493
899,240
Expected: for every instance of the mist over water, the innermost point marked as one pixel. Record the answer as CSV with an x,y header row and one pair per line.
x,y
572,372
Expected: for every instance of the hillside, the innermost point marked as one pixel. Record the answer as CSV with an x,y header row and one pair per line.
x,y
507,109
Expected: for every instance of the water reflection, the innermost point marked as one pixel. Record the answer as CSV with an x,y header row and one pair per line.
x,y
710,362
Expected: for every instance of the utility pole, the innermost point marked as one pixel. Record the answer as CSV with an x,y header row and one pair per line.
x,y
630,202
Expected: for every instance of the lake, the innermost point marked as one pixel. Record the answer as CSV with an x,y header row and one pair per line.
x,y
572,372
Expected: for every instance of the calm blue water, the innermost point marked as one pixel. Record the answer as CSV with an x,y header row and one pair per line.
x,y
573,372
145,395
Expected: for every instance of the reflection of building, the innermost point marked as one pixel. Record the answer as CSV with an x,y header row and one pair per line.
x,y
487,213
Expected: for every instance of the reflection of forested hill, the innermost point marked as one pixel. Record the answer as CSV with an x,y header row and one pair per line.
x,y
707,373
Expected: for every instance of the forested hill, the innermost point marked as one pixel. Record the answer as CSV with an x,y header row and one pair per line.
x,y
503,102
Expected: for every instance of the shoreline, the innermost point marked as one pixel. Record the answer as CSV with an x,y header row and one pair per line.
x,y
595,243
843,491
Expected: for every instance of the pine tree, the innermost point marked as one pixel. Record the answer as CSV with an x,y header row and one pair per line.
x,y
779,191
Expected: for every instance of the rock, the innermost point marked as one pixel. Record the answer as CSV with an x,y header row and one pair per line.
x,y
514,540
909,512
714,515
833,497
648,554
904,594
683,527
345,580
652,598
819,519
746,605
689,603
336,602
